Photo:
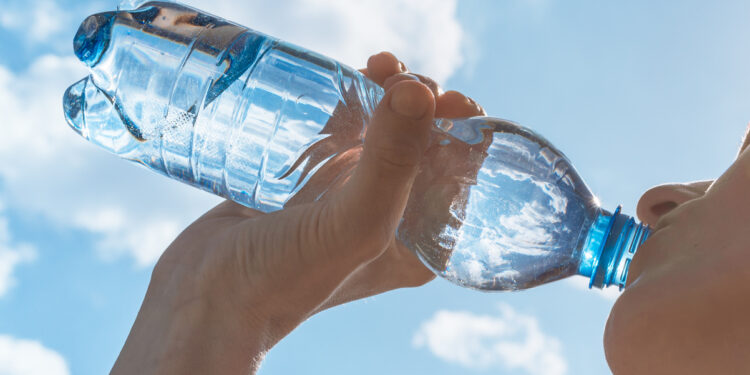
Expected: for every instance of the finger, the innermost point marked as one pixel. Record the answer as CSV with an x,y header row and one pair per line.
x,y
229,208
365,72
356,225
429,82
322,243
434,87
396,139
397,268
454,104
382,66
396,78
437,91
402,66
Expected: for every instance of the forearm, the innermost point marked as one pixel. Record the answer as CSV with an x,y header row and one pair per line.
x,y
236,281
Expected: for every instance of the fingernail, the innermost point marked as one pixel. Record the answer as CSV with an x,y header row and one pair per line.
x,y
402,67
409,100
411,76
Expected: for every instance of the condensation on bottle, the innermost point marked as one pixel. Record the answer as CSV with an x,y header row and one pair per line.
x,y
269,125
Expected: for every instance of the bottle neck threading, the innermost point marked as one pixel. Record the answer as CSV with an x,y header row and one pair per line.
x,y
610,245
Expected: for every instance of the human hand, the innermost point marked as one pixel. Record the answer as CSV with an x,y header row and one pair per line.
x,y
236,281
685,309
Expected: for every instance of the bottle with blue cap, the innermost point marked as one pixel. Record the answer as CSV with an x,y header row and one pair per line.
x,y
267,124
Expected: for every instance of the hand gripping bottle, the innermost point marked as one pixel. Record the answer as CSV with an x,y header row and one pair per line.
x,y
268,124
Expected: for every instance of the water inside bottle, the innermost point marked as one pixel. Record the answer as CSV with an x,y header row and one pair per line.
x,y
191,59
495,206
182,92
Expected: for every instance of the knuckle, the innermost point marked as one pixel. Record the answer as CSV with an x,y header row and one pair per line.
x,y
429,82
404,155
356,231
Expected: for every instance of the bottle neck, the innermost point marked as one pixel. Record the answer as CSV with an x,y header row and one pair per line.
x,y
612,241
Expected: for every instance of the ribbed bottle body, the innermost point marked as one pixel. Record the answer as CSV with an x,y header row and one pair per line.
x,y
222,107
268,124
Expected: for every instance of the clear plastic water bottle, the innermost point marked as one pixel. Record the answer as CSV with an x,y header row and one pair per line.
x,y
269,124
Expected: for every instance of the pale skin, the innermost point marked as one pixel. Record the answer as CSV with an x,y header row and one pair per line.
x,y
686,306
237,281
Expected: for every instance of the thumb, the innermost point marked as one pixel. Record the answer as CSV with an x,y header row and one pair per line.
x,y
373,201
322,243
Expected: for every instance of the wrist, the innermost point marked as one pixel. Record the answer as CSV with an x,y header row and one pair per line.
x,y
197,336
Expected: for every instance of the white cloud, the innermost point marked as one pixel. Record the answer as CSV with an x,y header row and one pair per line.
x,y
11,255
424,34
119,232
508,340
36,20
582,283
28,357
47,169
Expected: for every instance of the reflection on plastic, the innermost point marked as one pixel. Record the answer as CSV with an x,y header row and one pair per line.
x,y
269,125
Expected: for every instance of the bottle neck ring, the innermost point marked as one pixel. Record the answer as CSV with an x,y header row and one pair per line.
x,y
609,248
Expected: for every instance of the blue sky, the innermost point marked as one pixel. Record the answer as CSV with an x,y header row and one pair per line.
x,y
636,94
